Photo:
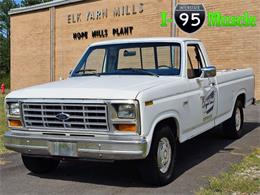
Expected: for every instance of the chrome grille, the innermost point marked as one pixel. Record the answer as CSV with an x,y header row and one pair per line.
x,y
81,116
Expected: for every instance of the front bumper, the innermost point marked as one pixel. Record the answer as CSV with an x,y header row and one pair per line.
x,y
95,147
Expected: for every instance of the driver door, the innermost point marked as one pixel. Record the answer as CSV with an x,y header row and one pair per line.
x,y
204,101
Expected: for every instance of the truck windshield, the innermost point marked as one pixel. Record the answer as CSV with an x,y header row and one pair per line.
x,y
131,59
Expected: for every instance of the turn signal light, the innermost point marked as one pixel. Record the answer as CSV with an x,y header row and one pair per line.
x,y
15,123
126,127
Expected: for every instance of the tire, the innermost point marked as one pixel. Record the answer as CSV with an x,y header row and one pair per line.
x,y
40,165
152,171
233,127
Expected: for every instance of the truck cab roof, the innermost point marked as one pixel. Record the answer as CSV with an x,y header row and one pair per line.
x,y
144,40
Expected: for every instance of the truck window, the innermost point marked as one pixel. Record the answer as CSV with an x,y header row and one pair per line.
x,y
194,61
131,59
95,61
148,59
168,56
142,57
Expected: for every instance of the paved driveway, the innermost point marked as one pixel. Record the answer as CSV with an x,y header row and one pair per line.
x,y
206,155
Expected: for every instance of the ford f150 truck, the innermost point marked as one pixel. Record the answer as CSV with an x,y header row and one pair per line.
x,y
132,99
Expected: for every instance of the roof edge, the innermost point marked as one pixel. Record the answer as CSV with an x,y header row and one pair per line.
x,y
144,40
41,6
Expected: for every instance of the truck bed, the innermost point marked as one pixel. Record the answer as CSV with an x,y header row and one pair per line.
x,y
230,84
233,74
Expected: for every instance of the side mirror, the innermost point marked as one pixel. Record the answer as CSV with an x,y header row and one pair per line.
x,y
209,71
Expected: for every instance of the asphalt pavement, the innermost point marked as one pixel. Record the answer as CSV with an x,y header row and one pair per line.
x,y
206,155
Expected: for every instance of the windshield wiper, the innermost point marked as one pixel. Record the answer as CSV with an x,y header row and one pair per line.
x,y
138,70
93,72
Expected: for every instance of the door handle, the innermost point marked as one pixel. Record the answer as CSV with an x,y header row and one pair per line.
x,y
185,103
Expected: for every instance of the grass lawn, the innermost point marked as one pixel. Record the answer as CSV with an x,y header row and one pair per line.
x,y
3,124
243,178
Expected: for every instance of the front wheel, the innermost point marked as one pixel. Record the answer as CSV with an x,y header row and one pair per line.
x,y
233,127
40,165
158,167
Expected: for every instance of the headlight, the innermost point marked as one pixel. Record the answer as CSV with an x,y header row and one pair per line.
x,y
14,109
126,111
124,116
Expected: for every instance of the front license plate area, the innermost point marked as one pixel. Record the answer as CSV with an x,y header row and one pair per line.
x,y
63,149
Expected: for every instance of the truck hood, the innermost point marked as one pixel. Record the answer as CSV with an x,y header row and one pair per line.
x,y
92,87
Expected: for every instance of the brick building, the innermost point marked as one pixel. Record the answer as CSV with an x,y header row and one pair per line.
x,y
48,39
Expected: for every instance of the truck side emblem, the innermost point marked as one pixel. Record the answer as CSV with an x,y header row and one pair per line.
x,y
208,103
63,116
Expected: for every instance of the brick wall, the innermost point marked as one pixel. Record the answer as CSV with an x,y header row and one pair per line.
x,y
30,40
30,49
68,51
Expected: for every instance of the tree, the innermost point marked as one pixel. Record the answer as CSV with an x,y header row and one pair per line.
x,y
32,2
4,55
5,6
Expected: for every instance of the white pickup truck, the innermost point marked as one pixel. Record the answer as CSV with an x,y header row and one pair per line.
x,y
132,99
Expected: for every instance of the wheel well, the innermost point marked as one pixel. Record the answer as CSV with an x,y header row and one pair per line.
x,y
242,98
172,122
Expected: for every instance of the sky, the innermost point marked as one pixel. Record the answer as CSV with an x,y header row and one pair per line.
x,y
18,1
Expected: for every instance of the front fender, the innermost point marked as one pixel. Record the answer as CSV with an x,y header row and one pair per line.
x,y
160,117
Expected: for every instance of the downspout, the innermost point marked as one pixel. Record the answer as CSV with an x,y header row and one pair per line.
x,y
52,44
174,33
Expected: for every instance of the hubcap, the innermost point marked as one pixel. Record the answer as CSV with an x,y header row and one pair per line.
x,y
164,154
238,119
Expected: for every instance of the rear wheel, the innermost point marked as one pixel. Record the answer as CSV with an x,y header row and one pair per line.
x,y
233,127
40,165
158,167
